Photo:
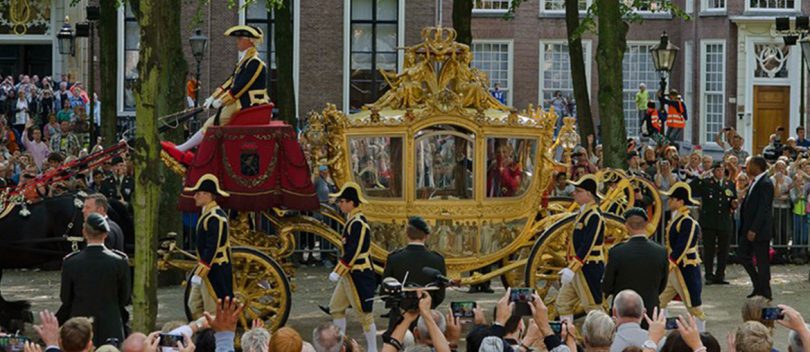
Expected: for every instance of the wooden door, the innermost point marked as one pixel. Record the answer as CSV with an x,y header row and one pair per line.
x,y
771,110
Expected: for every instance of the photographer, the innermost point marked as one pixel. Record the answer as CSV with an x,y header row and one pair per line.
x,y
393,340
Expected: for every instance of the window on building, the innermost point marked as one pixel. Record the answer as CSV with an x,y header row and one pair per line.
x,y
494,59
259,16
555,76
773,4
373,47
638,68
559,5
713,88
714,4
132,42
497,5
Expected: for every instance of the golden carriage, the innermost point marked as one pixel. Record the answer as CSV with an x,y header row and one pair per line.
x,y
437,145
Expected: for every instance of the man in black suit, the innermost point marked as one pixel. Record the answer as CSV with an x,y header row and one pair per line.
x,y
97,203
637,264
119,185
95,283
756,215
411,259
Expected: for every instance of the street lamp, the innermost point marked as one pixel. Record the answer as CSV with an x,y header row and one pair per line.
x,y
198,42
663,57
66,39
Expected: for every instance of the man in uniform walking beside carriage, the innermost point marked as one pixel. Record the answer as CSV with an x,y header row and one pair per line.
x,y
682,236
354,273
719,198
212,278
581,279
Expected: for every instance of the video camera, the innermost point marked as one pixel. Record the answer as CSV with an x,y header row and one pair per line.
x,y
396,297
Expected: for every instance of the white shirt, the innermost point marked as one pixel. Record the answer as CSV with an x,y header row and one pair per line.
x,y
756,179
242,55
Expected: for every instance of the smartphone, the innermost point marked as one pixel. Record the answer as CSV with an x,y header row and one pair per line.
x,y
772,313
556,327
521,296
672,323
170,340
463,309
15,343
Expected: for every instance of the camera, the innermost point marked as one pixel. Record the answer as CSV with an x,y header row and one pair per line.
x,y
463,309
772,313
672,323
396,297
13,343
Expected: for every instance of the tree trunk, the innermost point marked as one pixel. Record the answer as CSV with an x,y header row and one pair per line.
x,y
612,33
578,77
158,92
108,54
462,20
283,36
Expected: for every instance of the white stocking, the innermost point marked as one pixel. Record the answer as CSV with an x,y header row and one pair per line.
x,y
371,338
701,324
191,142
341,324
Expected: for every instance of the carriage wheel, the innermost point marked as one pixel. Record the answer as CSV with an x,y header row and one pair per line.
x,y
548,256
258,281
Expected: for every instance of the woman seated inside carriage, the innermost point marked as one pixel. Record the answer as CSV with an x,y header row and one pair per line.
x,y
503,173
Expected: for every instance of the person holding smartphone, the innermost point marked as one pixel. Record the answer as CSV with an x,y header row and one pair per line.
x,y
581,279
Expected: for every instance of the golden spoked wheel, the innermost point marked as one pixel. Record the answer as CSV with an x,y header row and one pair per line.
x,y
259,282
548,256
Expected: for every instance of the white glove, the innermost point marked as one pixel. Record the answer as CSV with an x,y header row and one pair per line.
x,y
216,104
566,276
208,102
334,277
196,280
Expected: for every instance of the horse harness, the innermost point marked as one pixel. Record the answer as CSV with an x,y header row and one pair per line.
x,y
24,245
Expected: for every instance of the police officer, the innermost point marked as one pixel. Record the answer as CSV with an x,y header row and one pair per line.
x,y
581,279
411,259
354,273
682,234
719,198
246,87
118,185
212,278
96,284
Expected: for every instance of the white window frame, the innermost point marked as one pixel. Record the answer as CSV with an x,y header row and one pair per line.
x,y
689,86
652,87
347,20
543,10
510,63
703,101
586,53
477,11
120,65
704,6
797,7
296,46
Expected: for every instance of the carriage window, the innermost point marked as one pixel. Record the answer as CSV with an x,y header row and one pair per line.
x,y
444,163
510,166
377,165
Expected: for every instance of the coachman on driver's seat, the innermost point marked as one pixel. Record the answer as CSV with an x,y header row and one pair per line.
x,y
246,87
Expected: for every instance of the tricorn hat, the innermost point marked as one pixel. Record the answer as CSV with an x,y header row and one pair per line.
x,y
207,183
97,222
350,191
682,191
245,31
636,211
418,223
588,183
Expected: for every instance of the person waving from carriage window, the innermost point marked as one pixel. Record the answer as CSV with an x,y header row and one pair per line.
x,y
354,273
581,279
682,240
246,87
212,277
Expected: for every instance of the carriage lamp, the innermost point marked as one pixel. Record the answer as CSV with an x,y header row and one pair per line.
x,y
568,137
66,39
663,57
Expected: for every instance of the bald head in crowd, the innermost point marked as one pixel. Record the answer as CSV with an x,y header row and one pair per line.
x,y
628,305
134,343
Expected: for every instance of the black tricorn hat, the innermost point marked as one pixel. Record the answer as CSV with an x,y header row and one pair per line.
x,y
682,191
351,192
636,211
588,183
245,31
97,222
207,183
418,223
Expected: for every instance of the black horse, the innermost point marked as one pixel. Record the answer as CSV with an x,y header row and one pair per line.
x,y
39,236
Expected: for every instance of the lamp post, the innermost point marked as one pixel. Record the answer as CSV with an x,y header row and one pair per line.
x,y
67,46
198,42
663,57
